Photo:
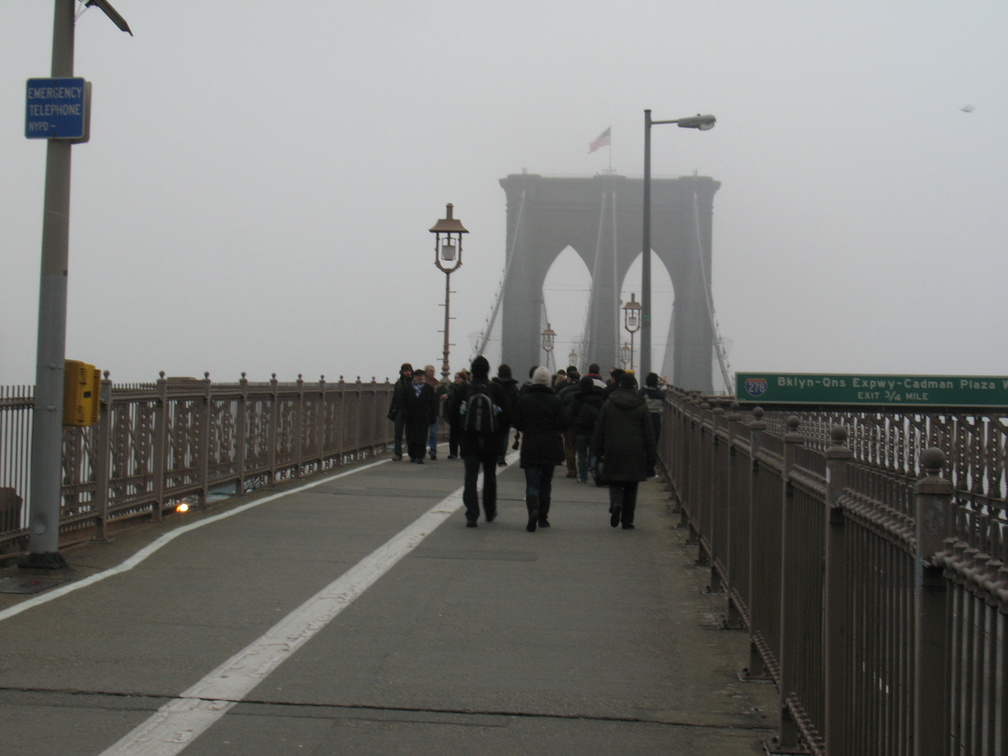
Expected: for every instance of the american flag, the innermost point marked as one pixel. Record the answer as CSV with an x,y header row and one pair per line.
x,y
604,139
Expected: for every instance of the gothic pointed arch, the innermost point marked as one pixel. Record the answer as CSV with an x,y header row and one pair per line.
x,y
600,218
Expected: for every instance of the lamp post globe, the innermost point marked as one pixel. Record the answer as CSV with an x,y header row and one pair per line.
x,y
448,258
632,322
548,340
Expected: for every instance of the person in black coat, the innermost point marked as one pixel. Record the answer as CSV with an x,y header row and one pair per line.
x,y
583,412
421,411
505,379
540,418
624,441
480,449
397,408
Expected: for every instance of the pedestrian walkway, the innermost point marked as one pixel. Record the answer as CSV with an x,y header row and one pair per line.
x,y
356,614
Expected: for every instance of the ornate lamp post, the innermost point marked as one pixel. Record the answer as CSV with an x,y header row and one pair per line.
x,y
572,358
548,339
632,321
448,258
703,123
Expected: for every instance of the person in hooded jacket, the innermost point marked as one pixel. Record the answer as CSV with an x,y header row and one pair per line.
x,y
624,441
481,449
583,412
540,417
505,379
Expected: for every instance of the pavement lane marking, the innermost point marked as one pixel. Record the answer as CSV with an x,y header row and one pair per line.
x,y
164,540
179,722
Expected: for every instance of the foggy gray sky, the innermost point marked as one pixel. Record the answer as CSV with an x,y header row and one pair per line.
x,y
261,176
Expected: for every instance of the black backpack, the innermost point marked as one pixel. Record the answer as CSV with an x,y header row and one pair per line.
x,y
479,413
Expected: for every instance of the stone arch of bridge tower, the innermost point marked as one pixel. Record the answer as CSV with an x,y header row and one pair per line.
x,y
600,218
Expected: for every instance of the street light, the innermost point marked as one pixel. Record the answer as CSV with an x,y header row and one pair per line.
x,y
448,258
548,339
632,321
47,428
702,123
572,358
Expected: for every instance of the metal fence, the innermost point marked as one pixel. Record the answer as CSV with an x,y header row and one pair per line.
x,y
865,555
159,443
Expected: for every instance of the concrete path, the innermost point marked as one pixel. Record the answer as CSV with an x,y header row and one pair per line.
x,y
356,614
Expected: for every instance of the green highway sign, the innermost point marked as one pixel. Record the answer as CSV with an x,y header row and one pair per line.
x,y
848,388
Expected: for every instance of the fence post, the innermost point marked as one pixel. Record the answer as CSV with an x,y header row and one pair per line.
x,y
836,631
241,430
757,668
273,432
204,440
299,425
160,450
788,726
102,458
932,499
733,618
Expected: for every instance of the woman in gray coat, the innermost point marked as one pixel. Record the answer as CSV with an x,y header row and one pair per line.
x,y
625,443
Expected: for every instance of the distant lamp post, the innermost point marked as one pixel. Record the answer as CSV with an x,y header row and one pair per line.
x,y
448,258
632,321
548,340
572,358
702,123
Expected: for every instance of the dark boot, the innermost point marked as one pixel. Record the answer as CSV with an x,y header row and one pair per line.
x,y
532,504
544,505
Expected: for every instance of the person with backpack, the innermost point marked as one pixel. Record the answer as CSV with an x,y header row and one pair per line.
x,y
583,412
483,411
540,418
624,443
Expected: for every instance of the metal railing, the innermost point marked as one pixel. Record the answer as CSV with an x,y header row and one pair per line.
x,y
874,591
159,443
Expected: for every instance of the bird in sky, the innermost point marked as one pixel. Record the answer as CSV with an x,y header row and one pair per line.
x,y
967,108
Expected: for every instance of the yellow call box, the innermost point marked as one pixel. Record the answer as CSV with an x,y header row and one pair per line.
x,y
81,393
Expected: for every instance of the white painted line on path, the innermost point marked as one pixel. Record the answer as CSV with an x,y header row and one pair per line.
x,y
176,724
164,540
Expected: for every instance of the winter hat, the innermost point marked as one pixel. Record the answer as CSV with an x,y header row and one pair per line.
x,y
480,367
542,376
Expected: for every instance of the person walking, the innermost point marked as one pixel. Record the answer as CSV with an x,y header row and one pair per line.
x,y
654,397
506,380
566,394
480,439
421,409
583,413
624,443
397,408
540,418
439,391
451,415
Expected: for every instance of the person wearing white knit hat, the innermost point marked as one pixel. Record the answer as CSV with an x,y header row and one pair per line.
x,y
540,418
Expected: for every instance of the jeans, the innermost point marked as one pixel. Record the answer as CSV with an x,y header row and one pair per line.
x,y
470,494
585,458
432,439
539,482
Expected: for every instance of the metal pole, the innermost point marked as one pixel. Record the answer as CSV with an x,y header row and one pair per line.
x,y
645,348
445,371
47,433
